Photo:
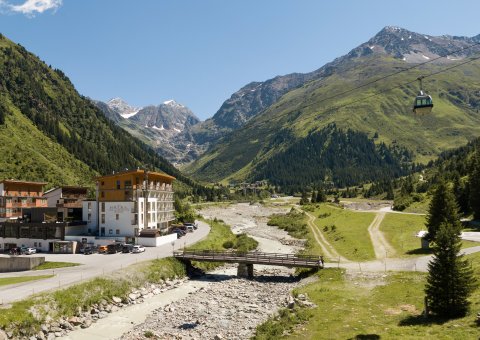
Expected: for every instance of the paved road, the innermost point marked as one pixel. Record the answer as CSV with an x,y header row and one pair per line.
x,y
92,266
471,236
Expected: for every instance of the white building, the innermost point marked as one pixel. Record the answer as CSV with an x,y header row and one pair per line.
x,y
128,202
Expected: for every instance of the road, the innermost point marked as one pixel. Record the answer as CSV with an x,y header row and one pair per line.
x,y
92,266
380,244
381,247
396,264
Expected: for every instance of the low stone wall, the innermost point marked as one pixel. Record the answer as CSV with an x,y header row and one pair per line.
x,y
19,263
156,241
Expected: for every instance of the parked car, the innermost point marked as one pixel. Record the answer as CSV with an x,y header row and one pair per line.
x,y
190,228
179,232
138,249
114,248
102,249
30,251
127,248
90,250
192,224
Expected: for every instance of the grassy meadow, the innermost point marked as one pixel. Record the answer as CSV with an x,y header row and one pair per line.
x,y
367,306
4,281
346,230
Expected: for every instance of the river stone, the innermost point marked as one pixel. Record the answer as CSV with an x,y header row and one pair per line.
x,y
87,323
116,299
3,335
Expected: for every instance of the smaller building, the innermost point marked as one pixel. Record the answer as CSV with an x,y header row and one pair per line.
x,y
68,200
16,195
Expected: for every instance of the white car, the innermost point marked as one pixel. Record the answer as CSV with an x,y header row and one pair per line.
x,y
138,249
30,251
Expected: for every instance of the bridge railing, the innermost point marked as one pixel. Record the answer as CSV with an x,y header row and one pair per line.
x,y
275,258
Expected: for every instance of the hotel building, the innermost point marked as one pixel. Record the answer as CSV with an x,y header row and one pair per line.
x,y
130,201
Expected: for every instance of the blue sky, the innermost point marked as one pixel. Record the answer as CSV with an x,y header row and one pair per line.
x,y
199,52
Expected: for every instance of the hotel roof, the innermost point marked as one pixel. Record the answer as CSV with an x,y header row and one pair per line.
x,y
137,172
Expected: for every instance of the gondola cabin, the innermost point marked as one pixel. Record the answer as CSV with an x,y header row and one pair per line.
x,y
423,103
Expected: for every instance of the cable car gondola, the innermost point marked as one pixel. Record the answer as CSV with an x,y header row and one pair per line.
x,y
423,102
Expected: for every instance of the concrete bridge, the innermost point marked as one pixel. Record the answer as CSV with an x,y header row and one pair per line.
x,y
247,260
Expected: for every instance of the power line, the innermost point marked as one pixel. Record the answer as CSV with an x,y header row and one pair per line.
x,y
397,72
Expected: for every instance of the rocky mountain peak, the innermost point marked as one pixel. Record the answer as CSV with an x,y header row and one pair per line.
x,y
122,107
416,47
172,103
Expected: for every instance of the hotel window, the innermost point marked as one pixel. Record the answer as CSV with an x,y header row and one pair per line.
x,y
110,231
117,231
89,219
118,185
103,218
89,205
102,194
103,206
117,217
39,244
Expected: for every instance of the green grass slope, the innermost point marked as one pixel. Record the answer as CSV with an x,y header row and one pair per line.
x,y
454,120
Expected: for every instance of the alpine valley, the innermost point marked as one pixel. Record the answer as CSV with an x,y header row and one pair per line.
x,y
328,126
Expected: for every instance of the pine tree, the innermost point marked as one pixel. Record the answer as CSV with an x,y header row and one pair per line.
x,y
443,208
450,278
390,194
321,197
314,197
304,199
474,181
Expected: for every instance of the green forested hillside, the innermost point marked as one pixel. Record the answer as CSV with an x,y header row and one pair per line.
x,y
43,120
27,154
454,121
332,155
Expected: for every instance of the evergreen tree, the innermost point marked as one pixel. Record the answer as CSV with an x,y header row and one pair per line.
x,y
474,185
390,194
304,199
314,197
443,208
321,197
450,278
461,192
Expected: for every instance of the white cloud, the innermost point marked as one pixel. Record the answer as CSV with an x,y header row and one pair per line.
x,y
32,7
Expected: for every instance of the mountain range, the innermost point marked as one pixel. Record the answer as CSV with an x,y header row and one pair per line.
x,y
165,127
349,121
260,137
49,132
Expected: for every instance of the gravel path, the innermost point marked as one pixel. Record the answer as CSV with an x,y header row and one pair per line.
x,y
329,251
381,246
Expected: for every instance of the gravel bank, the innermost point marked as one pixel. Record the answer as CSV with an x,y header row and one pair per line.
x,y
229,307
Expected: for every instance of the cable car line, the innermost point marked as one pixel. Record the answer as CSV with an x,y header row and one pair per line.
x,y
397,72
402,85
